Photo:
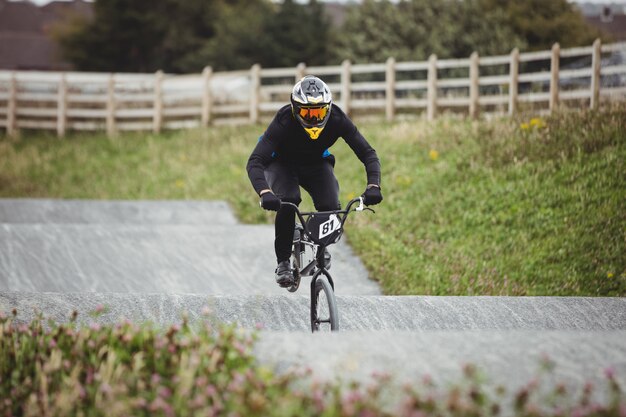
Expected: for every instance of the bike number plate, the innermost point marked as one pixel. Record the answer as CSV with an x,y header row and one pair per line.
x,y
324,229
329,226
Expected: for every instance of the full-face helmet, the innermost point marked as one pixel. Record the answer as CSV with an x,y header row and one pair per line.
x,y
311,103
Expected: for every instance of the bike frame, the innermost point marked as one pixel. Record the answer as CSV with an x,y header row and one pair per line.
x,y
320,244
319,260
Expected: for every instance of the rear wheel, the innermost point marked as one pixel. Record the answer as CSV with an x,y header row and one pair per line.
x,y
324,315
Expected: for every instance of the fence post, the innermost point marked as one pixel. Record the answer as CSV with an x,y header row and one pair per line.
x,y
62,107
346,80
255,92
595,74
12,107
474,86
432,87
207,100
390,90
300,70
157,121
514,81
554,77
111,106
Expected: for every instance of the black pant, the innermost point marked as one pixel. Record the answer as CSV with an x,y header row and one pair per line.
x,y
285,180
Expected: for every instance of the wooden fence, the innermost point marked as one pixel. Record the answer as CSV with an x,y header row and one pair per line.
x,y
536,81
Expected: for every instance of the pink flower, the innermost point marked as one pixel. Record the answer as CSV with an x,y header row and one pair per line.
x,y
201,381
159,343
105,388
198,401
141,402
81,392
157,404
353,396
532,384
164,392
155,379
427,380
210,390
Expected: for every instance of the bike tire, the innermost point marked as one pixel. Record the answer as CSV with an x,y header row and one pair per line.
x,y
324,304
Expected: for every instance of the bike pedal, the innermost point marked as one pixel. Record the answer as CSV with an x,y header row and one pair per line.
x,y
295,286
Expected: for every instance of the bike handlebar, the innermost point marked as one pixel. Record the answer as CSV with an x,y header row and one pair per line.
x,y
345,212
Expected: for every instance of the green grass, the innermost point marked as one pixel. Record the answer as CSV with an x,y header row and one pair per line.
x,y
501,207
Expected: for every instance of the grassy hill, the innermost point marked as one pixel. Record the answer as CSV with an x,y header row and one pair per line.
x,y
501,207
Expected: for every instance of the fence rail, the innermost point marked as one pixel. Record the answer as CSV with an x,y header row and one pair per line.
x,y
505,84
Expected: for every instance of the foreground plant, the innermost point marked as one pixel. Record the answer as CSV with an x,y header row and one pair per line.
x,y
131,370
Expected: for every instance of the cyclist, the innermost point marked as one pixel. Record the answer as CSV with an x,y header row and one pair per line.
x,y
293,152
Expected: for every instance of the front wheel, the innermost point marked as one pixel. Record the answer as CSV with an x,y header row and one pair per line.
x,y
324,315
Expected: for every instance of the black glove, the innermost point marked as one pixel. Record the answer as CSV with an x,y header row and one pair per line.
x,y
372,196
269,201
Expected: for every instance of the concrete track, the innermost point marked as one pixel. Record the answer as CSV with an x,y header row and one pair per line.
x,y
281,313
155,260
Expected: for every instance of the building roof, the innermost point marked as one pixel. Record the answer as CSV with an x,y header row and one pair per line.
x,y
22,16
615,27
25,41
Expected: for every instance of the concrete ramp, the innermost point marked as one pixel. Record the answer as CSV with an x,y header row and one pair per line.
x,y
290,312
51,211
146,247
153,261
504,358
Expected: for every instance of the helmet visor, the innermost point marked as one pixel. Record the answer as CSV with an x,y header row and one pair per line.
x,y
314,115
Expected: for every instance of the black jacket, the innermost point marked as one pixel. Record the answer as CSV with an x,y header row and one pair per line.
x,y
285,140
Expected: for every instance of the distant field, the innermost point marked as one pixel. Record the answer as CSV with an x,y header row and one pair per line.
x,y
502,207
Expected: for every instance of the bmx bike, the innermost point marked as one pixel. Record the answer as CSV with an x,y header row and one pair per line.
x,y
315,232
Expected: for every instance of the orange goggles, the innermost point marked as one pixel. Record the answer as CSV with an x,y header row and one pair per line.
x,y
314,114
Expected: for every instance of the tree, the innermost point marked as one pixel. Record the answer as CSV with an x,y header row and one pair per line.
x,y
124,35
139,35
190,24
185,36
541,23
481,30
272,35
413,29
297,33
240,38
369,34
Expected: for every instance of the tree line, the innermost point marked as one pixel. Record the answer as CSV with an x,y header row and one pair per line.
x,y
185,36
